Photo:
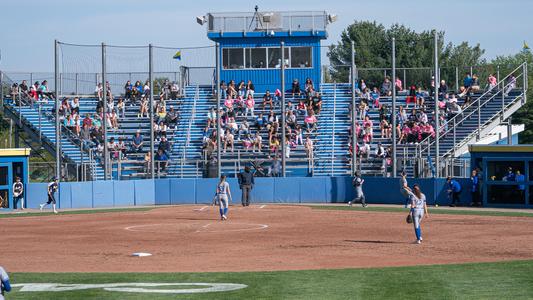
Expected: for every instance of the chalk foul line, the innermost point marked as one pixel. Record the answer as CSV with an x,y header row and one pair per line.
x,y
133,287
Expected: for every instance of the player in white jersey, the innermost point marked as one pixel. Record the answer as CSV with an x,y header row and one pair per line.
x,y
418,210
5,286
223,193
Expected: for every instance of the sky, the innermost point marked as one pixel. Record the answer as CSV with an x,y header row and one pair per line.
x,y
30,27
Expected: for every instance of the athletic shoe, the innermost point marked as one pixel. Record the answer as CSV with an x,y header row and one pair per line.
x,y
56,212
421,239
418,241
350,203
41,207
365,205
224,217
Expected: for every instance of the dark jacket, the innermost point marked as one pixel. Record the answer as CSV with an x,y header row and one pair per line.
x,y
246,178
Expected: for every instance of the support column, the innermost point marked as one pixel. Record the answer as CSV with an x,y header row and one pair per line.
x,y
104,119
58,124
394,165
283,118
219,104
354,138
510,131
437,129
151,107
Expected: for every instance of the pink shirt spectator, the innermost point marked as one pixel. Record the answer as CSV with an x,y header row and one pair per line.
x,y
368,123
250,102
310,119
228,103
398,84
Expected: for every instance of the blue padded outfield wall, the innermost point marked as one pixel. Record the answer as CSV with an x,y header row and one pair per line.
x,y
96,194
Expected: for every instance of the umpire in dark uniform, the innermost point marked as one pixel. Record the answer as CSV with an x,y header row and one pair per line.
x,y
246,183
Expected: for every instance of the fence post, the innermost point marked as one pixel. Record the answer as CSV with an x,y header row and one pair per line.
x,y
283,138
151,107
58,125
354,139
394,166
437,130
104,119
219,104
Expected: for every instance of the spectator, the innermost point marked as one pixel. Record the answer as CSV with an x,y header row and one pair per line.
x,y
510,85
299,135
308,88
112,148
244,128
161,159
257,143
374,96
380,151
398,84
296,88
14,92
128,92
274,146
223,90
121,107
250,103
147,161
386,130
229,139
25,92
121,146
137,142
172,117
454,191
267,99
174,91
261,121
443,89
250,89
386,87
492,82
367,127
411,98
99,91
420,98
232,90
475,84
362,85
301,108
143,108
310,122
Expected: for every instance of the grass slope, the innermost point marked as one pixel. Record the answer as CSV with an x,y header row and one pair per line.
x,y
48,212
431,211
502,280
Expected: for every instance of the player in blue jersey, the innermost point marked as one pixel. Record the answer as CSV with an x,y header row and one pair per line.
x,y
52,188
223,193
418,210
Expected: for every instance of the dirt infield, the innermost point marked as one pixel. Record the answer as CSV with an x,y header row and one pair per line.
x,y
256,238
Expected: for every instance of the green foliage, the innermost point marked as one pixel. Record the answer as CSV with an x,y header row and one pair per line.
x,y
525,114
373,48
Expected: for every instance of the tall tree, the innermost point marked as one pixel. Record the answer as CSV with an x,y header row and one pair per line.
x,y
413,50
525,114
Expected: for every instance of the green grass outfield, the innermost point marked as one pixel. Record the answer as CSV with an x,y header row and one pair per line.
x,y
442,211
48,212
501,280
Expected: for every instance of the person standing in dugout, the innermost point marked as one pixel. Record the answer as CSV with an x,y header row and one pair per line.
x,y
246,183
18,193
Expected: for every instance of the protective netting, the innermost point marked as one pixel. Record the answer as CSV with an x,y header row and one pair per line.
x,y
81,66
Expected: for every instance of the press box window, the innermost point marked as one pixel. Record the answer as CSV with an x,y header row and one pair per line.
x,y
274,57
233,58
256,58
301,57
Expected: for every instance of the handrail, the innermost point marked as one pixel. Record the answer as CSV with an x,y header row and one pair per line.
x,y
477,101
192,117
